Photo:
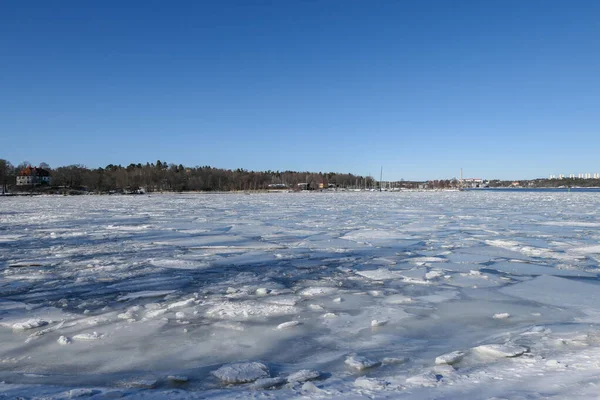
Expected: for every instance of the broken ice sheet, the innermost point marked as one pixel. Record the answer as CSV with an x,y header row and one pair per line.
x,y
205,280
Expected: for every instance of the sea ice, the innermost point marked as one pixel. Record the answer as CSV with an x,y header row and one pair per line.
x,y
437,265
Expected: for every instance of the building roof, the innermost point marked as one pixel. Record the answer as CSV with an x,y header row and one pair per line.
x,y
33,171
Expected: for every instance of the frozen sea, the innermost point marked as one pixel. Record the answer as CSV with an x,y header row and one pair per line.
x,y
412,295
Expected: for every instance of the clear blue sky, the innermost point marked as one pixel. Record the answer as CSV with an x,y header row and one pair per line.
x,y
504,89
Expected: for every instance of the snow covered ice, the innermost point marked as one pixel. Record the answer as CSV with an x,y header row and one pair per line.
x,y
405,295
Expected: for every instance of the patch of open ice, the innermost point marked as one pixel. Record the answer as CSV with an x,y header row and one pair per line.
x,y
241,372
557,291
398,299
234,326
394,360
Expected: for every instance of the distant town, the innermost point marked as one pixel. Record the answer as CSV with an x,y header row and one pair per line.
x,y
168,177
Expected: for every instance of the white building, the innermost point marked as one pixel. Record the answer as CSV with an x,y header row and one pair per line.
x,y
33,176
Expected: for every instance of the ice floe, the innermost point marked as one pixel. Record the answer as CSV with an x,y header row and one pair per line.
x,y
241,372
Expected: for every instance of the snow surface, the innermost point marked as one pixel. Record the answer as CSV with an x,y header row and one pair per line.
x,y
411,295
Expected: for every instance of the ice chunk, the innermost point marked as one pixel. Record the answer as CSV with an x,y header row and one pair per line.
x,y
434,274
594,249
501,315
380,274
142,383
283,300
360,363
241,372
156,313
310,388
427,379
287,325
83,392
423,260
376,323
88,336
262,291
318,291
267,383
63,340
370,383
501,350
179,304
303,375
521,268
180,315
450,358
127,316
243,310
29,324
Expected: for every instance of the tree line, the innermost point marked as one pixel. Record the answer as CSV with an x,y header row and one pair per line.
x,y
163,176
